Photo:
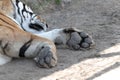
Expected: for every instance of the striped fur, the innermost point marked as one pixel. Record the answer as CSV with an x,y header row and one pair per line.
x,y
23,15
15,42
18,27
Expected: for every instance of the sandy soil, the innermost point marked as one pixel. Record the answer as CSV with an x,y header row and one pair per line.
x,y
99,18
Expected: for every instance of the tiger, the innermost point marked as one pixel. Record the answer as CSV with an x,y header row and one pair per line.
x,y
23,34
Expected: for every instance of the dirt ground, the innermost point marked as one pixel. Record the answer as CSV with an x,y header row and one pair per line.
x,y
99,18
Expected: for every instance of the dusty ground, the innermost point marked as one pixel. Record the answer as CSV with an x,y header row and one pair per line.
x,y
99,18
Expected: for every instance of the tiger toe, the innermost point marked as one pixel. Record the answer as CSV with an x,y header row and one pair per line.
x,y
45,58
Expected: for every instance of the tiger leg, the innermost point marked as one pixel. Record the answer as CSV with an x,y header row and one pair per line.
x,y
45,53
42,50
22,44
17,43
71,37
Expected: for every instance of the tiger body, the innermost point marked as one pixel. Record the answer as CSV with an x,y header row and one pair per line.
x,y
12,38
23,34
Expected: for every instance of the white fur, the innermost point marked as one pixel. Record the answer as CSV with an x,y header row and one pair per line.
x,y
28,9
25,18
4,59
51,35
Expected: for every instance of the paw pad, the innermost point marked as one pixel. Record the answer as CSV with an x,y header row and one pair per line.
x,y
74,41
80,40
45,58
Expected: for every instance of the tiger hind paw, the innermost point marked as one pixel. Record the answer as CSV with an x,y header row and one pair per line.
x,y
78,39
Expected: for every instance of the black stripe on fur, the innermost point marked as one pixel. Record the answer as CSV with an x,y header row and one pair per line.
x,y
24,48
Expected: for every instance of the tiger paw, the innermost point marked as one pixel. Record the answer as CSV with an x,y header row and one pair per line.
x,y
78,39
45,58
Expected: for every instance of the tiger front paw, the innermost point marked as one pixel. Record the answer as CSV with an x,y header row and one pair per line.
x,y
78,39
45,58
